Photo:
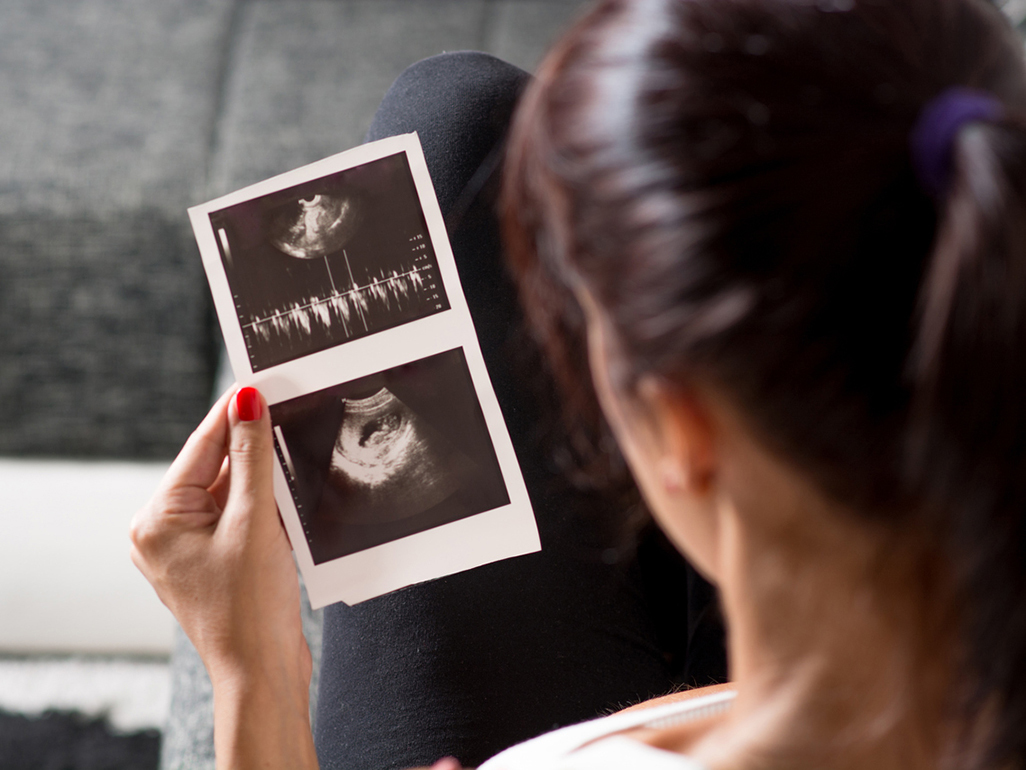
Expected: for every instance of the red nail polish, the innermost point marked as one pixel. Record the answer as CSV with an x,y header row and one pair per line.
x,y
247,402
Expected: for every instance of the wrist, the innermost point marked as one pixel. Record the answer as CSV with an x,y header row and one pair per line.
x,y
262,717
279,675
268,658
241,684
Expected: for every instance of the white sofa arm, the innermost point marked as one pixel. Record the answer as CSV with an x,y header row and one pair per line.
x,y
67,583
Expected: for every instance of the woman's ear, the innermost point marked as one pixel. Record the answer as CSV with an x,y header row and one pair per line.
x,y
680,481
684,431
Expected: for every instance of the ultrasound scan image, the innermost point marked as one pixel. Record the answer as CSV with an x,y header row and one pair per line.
x,y
388,456
329,261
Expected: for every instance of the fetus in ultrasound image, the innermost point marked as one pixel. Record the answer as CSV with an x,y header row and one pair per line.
x,y
389,464
388,455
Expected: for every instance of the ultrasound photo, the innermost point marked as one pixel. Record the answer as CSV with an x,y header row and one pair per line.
x,y
328,261
388,455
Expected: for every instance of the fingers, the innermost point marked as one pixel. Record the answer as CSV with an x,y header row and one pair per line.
x,y
250,452
211,544
219,489
182,498
199,462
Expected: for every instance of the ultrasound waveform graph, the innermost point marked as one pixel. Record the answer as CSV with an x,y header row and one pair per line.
x,y
357,310
329,261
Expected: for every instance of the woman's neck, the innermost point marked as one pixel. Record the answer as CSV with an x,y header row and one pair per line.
x,y
840,638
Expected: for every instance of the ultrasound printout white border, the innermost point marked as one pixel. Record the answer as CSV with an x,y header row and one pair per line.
x,y
480,539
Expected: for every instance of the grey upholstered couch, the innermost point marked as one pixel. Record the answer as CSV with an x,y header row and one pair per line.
x,y
115,115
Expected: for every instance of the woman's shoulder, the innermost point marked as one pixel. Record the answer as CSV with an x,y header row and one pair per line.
x,y
603,743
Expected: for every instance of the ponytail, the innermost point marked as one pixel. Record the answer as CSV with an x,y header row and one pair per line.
x,y
967,450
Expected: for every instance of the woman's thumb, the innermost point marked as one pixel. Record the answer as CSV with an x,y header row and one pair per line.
x,y
250,451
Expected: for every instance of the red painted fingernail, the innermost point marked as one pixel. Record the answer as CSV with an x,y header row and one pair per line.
x,y
247,402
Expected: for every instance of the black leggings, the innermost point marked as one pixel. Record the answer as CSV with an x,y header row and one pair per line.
x,y
473,663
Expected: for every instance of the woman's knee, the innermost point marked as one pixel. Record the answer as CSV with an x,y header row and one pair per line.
x,y
460,104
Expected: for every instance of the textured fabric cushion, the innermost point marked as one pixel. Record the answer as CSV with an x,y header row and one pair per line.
x,y
106,336
306,77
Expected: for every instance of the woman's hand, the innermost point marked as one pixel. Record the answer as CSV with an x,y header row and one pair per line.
x,y
212,545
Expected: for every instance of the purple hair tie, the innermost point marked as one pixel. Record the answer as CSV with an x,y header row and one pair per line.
x,y
933,137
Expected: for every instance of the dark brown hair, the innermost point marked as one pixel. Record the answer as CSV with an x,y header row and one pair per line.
x,y
731,179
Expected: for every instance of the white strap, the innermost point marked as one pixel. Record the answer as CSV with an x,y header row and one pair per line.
x,y
554,749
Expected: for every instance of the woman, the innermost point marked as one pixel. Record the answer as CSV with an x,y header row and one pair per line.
x,y
797,233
